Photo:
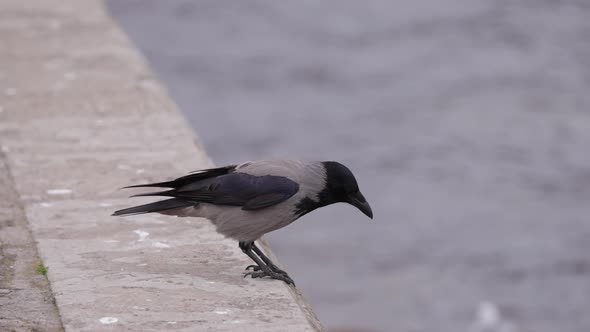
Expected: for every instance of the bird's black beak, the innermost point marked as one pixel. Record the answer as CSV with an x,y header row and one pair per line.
x,y
357,199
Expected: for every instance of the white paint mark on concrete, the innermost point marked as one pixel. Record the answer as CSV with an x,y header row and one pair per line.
x,y
142,234
142,264
148,300
105,204
157,244
108,320
45,204
60,191
10,91
171,322
221,312
237,321
210,282
140,171
123,167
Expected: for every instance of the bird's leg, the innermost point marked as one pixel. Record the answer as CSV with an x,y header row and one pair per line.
x,y
264,269
266,260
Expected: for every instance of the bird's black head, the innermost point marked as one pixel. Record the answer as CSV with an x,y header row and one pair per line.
x,y
341,186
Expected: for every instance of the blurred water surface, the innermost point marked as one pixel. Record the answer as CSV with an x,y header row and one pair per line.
x,y
468,126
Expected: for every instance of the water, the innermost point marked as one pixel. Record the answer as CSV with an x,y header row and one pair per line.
x,y
468,126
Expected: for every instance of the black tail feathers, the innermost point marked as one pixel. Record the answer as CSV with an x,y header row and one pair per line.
x,y
173,203
160,206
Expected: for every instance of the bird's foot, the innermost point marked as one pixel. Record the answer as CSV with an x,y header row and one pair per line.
x,y
257,268
257,273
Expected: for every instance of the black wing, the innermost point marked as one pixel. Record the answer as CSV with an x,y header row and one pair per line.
x,y
191,178
236,189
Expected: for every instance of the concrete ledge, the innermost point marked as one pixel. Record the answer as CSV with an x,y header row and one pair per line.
x,y
82,115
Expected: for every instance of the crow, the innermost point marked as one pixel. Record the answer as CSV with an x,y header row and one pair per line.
x,y
245,201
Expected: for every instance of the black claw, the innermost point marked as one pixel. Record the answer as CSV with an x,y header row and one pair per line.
x,y
255,275
253,267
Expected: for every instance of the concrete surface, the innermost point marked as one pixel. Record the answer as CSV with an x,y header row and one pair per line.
x,y
467,123
26,302
80,116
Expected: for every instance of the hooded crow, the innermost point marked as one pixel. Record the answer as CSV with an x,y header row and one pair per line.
x,y
248,200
